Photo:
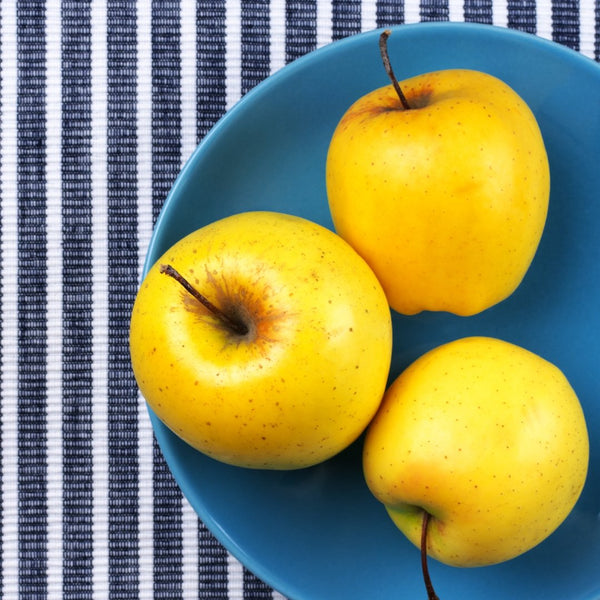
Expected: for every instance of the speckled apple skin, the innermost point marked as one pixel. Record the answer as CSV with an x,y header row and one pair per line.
x,y
447,201
487,437
309,376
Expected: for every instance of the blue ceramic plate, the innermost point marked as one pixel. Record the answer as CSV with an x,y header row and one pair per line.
x,y
317,534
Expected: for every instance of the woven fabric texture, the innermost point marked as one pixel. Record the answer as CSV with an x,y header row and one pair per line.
x,y
101,103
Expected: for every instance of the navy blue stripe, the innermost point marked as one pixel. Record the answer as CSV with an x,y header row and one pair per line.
x,y
166,159
478,11
255,43
434,10
211,73
212,566
522,15
123,564
166,98
32,344
346,18
168,545
301,28
254,588
389,12
77,301
565,22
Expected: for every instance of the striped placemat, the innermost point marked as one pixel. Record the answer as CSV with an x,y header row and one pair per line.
x,y
101,102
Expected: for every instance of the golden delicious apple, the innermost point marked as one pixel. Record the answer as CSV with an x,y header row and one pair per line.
x,y
487,439
446,196
275,349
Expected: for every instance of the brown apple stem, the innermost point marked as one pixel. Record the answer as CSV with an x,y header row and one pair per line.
x,y
234,325
388,68
431,595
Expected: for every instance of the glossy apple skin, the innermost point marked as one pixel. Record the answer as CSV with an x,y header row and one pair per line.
x,y
487,437
447,201
306,380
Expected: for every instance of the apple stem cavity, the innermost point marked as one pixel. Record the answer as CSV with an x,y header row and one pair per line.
x,y
431,595
388,68
234,325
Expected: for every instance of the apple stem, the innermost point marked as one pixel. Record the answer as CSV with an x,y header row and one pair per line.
x,y
388,68
234,325
431,595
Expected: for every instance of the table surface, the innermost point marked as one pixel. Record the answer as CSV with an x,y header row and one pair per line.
x,y
101,102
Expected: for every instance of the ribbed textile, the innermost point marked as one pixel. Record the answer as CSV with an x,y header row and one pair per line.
x,y
101,103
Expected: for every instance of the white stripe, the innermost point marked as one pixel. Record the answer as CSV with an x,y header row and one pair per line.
x,y
145,502
278,596
412,11
54,300
189,520
368,15
8,331
144,232
544,19
324,22
188,77
99,300
233,52
587,27
235,578
277,34
456,11
500,13
144,129
189,539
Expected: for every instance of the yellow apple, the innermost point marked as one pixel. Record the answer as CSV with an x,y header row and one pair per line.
x,y
275,350
485,437
447,199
